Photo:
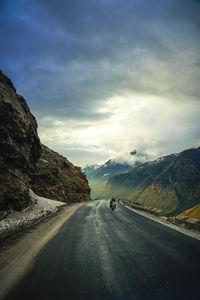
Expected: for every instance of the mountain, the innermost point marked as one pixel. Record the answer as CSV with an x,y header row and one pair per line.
x,y
132,183
109,169
171,183
98,178
56,178
25,163
89,169
98,175
19,147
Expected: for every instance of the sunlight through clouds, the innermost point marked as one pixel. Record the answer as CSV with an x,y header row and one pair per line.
x,y
152,125
105,77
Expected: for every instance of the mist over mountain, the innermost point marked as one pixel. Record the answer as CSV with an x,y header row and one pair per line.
x,y
89,169
98,175
131,158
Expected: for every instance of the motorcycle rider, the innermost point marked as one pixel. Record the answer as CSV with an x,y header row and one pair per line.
x,y
112,201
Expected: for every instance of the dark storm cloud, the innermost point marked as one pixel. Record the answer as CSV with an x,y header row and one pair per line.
x,y
68,57
101,75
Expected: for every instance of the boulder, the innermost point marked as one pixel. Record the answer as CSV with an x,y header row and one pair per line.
x,y
19,147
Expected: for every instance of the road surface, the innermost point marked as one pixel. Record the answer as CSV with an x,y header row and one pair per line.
x,y
100,254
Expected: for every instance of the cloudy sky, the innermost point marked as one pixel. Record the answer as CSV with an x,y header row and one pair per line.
x,y
104,77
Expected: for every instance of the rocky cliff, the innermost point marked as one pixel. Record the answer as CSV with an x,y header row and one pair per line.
x,y
57,178
19,147
171,183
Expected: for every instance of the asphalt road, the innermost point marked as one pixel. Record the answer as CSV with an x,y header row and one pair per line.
x,y
100,254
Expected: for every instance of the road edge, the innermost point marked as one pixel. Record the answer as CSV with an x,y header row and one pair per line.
x,y
18,259
191,233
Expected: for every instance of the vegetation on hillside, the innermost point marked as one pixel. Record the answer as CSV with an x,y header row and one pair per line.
x,y
193,212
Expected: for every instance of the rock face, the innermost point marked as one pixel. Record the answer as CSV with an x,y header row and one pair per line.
x,y
53,177
171,183
19,147
56,178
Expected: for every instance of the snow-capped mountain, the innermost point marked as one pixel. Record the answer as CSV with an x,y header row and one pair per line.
x,y
115,165
89,169
98,175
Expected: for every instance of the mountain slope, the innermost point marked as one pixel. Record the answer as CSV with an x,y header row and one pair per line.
x,y
132,183
171,183
98,175
89,169
20,149
57,178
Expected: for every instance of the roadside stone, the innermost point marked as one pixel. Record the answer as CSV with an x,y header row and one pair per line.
x,y
180,219
148,209
171,220
193,224
136,206
158,212
153,210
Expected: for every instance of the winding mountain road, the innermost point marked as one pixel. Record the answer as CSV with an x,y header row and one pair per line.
x,y
100,254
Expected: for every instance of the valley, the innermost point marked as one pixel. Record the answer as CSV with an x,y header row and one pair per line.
x,y
170,183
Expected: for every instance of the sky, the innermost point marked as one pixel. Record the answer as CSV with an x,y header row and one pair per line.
x,y
104,77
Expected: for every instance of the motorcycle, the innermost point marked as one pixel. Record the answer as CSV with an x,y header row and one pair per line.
x,y
113,205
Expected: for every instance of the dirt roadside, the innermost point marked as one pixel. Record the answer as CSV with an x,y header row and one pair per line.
x,y
18,258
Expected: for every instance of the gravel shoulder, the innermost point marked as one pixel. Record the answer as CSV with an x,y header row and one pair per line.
x,y
17,258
